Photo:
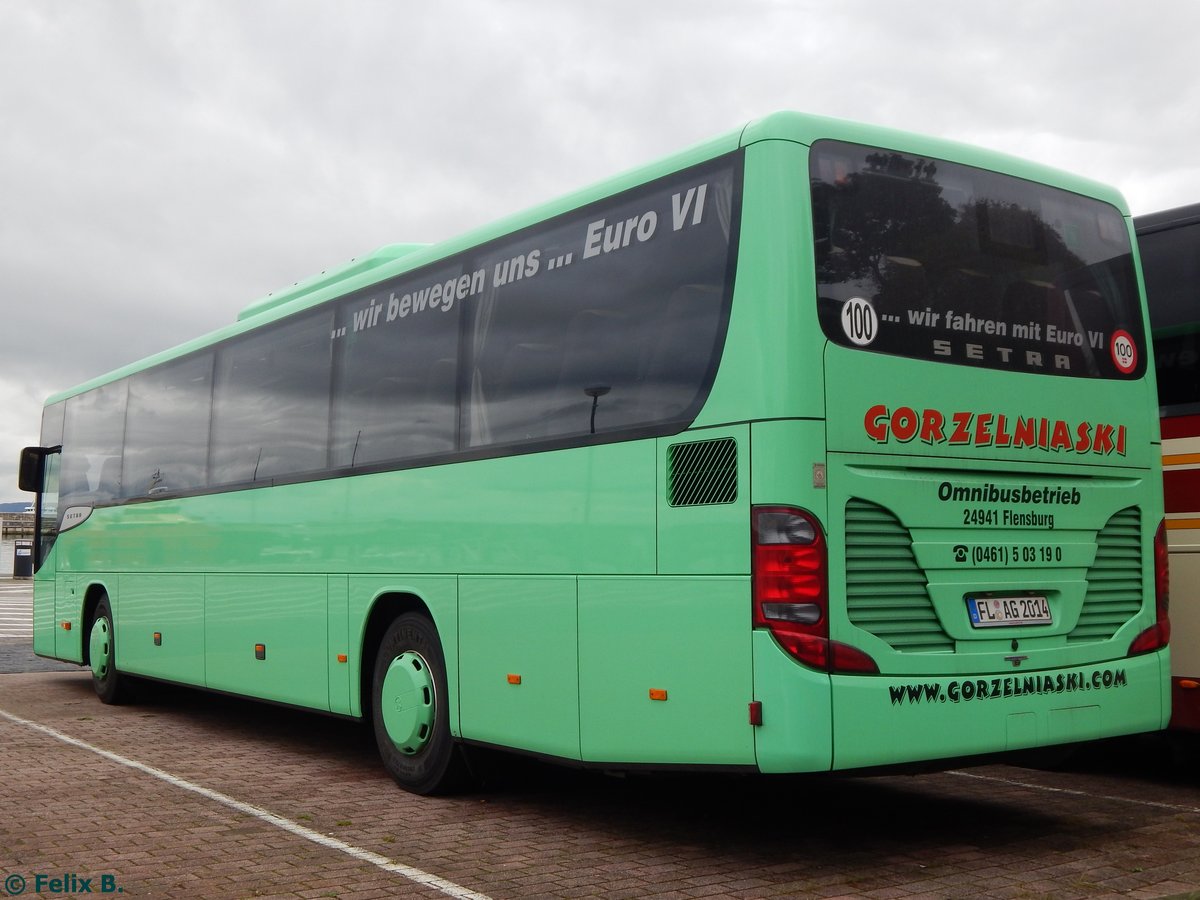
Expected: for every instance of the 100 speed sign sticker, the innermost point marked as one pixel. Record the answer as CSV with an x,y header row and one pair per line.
x,y
859,321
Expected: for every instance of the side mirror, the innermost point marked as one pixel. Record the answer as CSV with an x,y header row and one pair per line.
x,y
32,470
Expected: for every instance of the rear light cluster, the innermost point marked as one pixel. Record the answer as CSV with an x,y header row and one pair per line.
x,y
1157,635
791,590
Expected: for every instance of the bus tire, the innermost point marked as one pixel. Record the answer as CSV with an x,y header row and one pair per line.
x,y
409,709
110,685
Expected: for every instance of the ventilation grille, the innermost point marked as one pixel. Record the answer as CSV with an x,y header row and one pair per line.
x,y
702,473
886,591
1114,591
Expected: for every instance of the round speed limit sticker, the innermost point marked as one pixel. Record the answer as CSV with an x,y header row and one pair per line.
x,y
859,321
1124,352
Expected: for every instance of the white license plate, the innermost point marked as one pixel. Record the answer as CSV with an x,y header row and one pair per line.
x,y
993,612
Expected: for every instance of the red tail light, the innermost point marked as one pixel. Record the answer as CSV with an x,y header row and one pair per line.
x,y
1157,635
791,597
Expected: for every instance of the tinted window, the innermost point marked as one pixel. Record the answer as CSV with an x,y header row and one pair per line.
x,y
52,436
271,402
1171,269
92,436
922,257
600,321
166,431
609,319
52,425
396,369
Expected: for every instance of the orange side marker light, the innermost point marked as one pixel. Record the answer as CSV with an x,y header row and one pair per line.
x,y
658,694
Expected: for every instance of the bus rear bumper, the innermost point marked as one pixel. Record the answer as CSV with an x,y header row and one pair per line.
x,y
1185,704
882,720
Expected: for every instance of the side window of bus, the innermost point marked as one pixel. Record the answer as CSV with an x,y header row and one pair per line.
x,y
53,420
93,432
608,320
690,337
271,402
395,383
166,429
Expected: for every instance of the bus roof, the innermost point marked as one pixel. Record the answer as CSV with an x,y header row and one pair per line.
x,y
1167,218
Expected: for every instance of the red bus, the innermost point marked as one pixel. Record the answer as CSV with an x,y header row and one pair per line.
x,y
1169,244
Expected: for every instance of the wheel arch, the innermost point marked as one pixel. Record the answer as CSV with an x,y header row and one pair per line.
x,y
92,597
385,609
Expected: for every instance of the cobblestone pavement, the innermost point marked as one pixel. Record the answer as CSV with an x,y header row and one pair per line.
x,y
186,794
200,795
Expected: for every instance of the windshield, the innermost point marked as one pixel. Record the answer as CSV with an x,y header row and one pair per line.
x,y
930,259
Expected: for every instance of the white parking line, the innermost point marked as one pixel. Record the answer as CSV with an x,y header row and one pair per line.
x,y
417,876
1054,790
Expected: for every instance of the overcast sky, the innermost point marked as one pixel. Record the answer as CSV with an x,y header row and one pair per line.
x,y
164,163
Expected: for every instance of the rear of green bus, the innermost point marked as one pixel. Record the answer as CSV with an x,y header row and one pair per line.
x,y
956,523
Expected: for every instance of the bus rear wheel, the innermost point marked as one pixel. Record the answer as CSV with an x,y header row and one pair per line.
x,y
102,656
409,710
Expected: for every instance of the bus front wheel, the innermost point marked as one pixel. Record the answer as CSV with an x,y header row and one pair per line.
x,y
102,656
410,714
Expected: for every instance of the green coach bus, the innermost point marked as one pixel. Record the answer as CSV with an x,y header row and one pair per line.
x,y
814,447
